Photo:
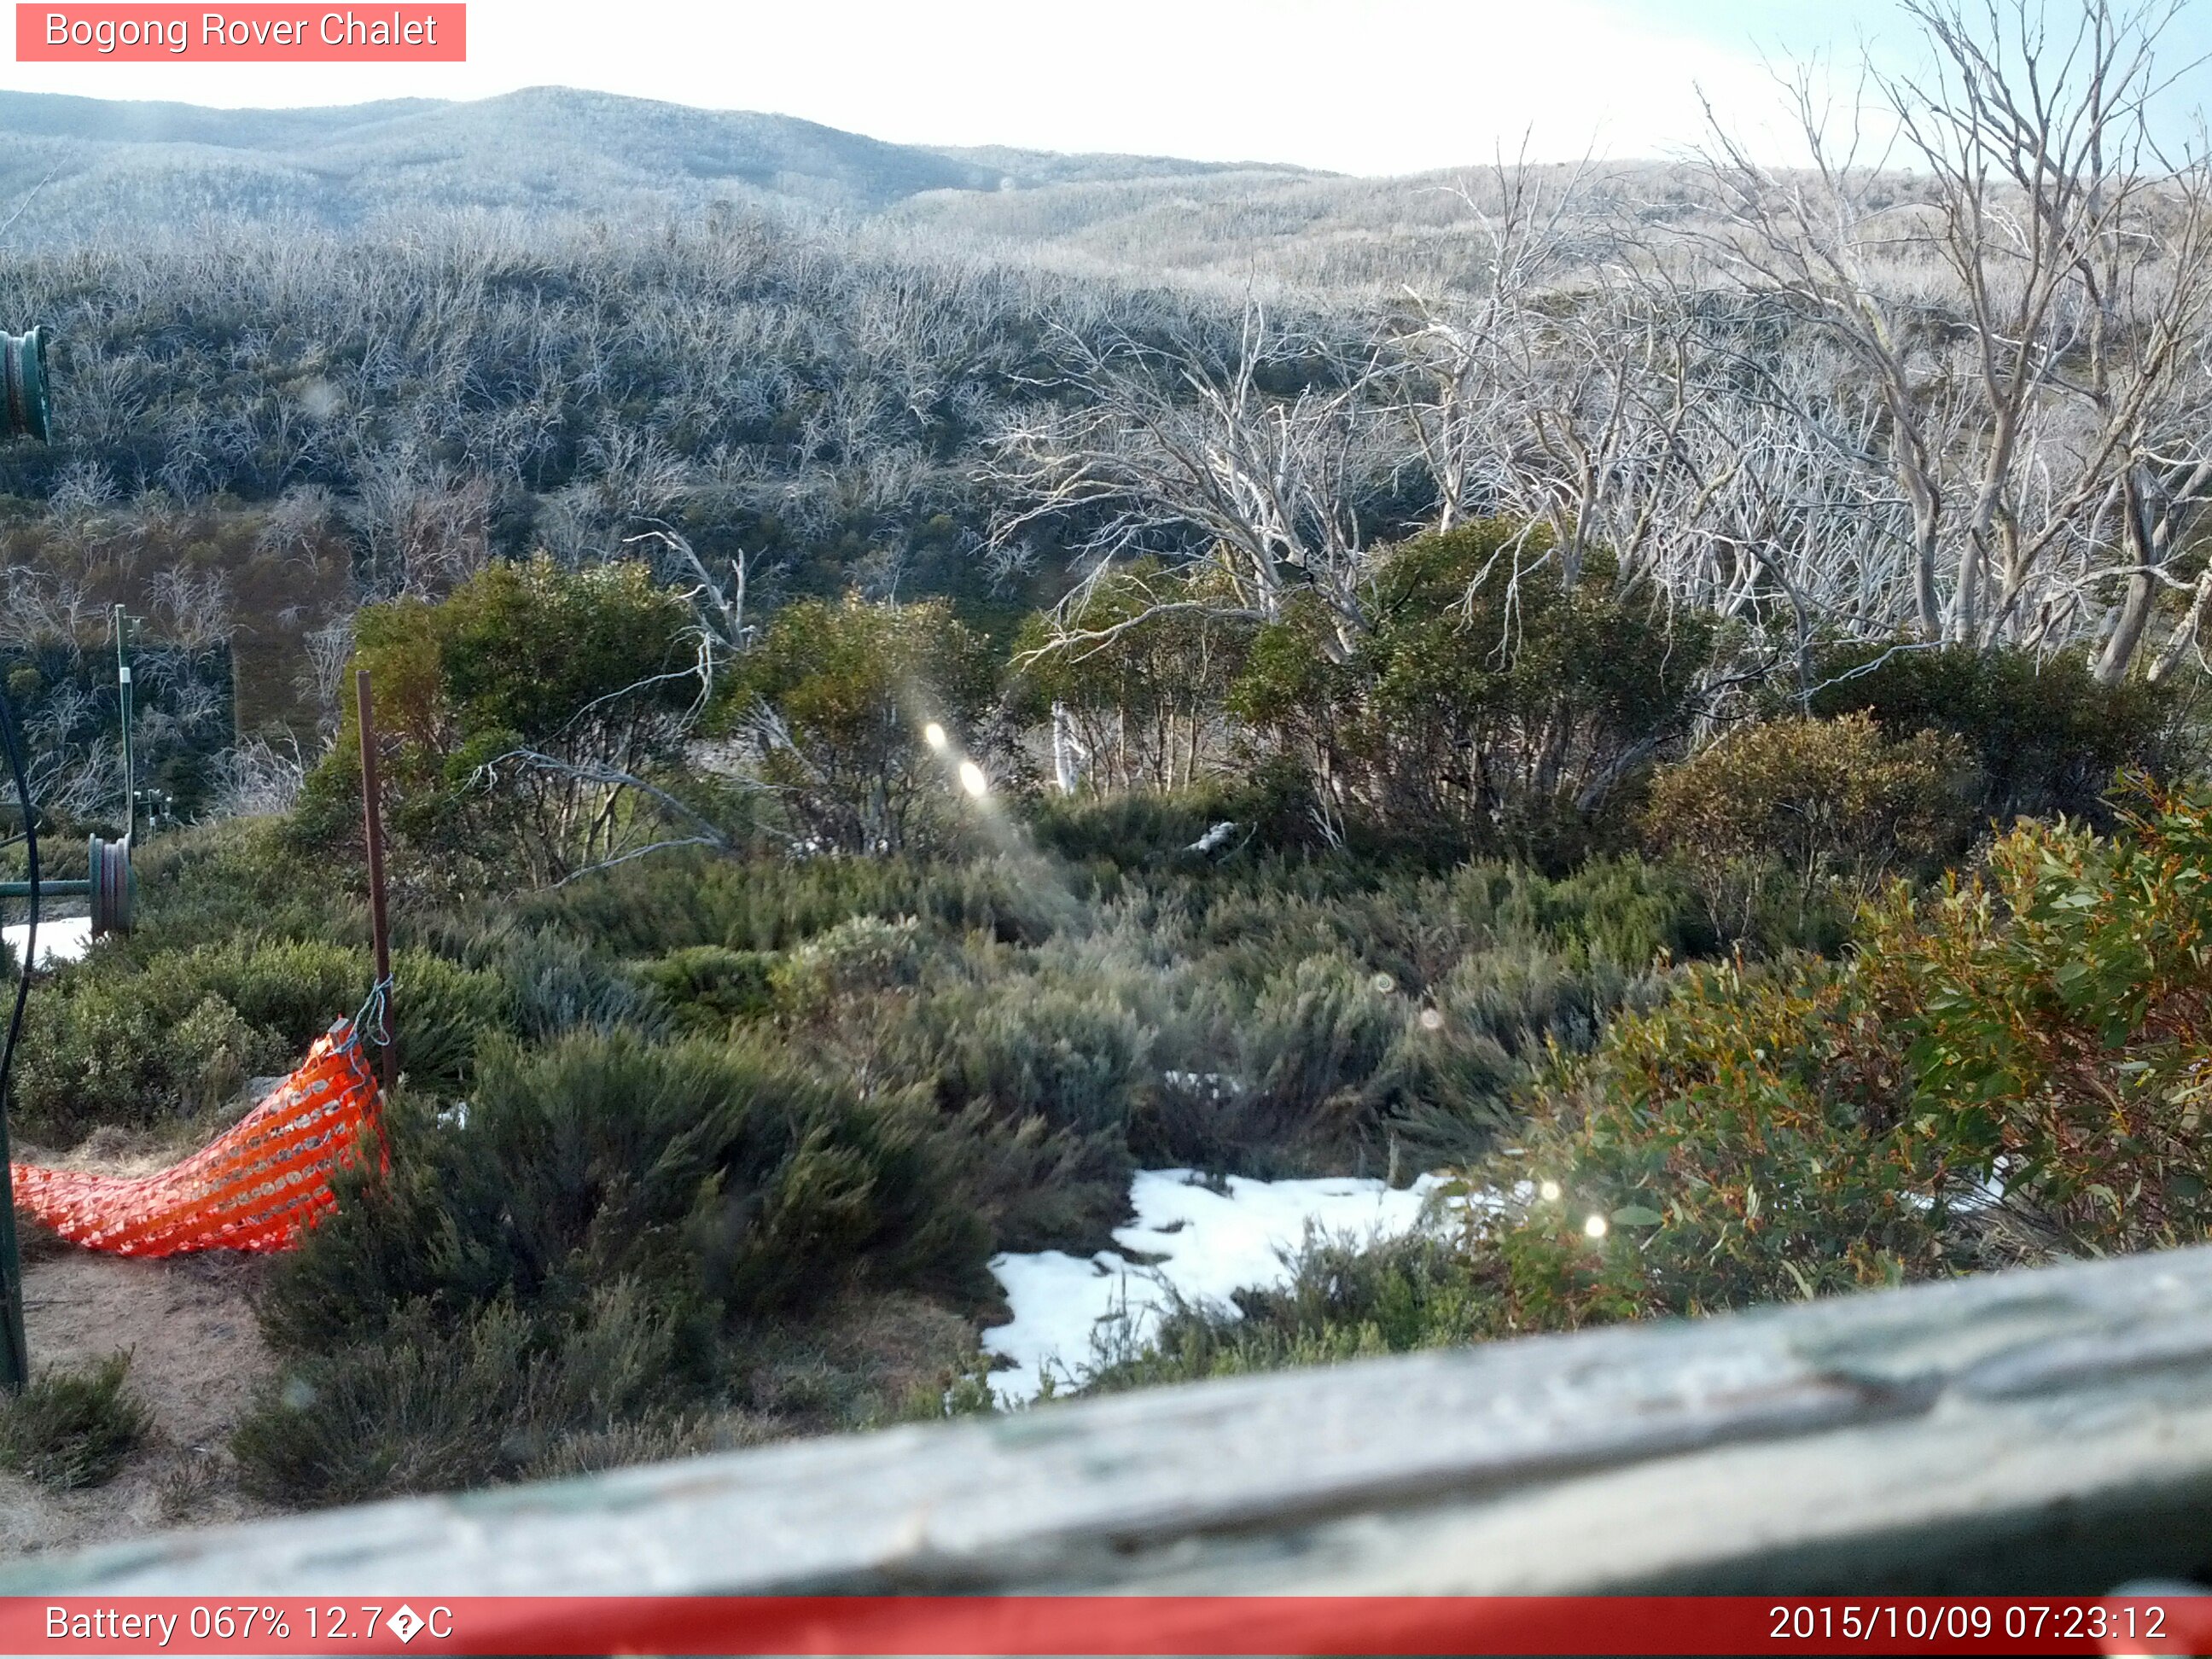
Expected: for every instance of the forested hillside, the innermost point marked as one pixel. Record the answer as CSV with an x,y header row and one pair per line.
x,y
147,168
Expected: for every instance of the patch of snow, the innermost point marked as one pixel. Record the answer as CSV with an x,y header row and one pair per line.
x,y
1215,1085
1069,1310
1214,839
1978,1193
61,938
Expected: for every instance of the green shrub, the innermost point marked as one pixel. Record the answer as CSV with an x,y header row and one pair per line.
x,y
728,1184
1622,911
1346,1300
555,985
246,877
1810,1127
841,694
1035,1076
1341,1069
73,1429
434,1405
443,1014
709,988
1829,801
588,667
653,906
577,1251
131,1040
1493,701
1146,700
856,957
1143,829
2045,737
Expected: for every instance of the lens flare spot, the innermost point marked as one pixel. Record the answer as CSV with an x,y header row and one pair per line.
x,y
973,781
1594,1226
1550,1192
933,735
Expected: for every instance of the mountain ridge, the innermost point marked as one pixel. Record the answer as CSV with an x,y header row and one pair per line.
x,y
538,149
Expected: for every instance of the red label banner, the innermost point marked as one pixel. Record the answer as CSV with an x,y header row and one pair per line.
x,y
1035,1625
437,34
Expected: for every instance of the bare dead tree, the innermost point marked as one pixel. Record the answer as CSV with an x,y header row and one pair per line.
x,y
1189,453
2027,319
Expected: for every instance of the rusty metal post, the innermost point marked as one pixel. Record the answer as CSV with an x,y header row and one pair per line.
x,y
372,819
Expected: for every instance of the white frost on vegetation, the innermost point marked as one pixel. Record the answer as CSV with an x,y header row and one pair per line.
x,y
1071,1311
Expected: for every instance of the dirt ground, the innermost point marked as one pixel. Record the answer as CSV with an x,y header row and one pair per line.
x,y
196,1356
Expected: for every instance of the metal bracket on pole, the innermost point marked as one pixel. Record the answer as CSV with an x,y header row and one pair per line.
x,y
125,700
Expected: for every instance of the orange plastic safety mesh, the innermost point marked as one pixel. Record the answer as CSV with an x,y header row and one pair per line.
x,y
257,1186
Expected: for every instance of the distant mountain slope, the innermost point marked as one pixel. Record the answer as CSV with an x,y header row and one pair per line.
x,y
146,165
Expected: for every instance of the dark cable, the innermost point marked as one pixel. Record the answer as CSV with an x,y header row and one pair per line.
x,y
11,1287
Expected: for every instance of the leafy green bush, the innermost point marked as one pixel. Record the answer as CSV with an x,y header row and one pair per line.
x,y
652,907
2038,1032
445,1012
574,1248
556,984
436,1405
1146,695
73,1429
118,1039
709,988
1831,801
1491,702
588,668
1346,1300
1622,911
212,884
857,956
2046,737
838,697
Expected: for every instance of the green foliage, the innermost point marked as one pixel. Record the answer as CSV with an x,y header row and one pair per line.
x,y
859,955
449,1012
722,1185
1833,802
1490,702
1145,693
577,1250
709,988
839,695
1344,1301
436,1405
111,1040
656,905
1809,1128
72,1429
555,984
2046,737
507,704
212,884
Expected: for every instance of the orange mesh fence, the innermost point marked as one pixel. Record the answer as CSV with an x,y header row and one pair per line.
x,y
257,1186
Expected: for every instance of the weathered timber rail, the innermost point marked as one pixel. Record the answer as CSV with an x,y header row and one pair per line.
x,y
2041,1432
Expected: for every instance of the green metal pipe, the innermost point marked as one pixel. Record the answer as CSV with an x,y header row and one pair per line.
x,y
57,889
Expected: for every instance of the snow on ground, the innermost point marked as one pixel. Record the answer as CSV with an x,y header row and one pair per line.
x,y
1069,1310
61,938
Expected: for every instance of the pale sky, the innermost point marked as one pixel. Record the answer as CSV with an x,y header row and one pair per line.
x,y
1359,86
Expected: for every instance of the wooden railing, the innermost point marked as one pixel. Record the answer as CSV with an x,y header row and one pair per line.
x,y
2040,1431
